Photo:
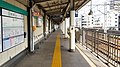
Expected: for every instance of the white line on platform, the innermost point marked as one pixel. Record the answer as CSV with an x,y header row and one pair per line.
x,y
86,58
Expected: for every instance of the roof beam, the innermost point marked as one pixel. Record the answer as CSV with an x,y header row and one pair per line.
x,y
53,11
38,2
56,5
24,2
40,7
67,9
83,3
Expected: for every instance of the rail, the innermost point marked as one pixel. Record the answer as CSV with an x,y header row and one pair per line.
x,y
106,46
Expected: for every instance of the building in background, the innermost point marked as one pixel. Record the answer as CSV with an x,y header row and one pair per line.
x,y
113,15
113,21
106,15
86,21
77,22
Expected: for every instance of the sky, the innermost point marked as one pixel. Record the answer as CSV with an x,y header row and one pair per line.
x,y
87,7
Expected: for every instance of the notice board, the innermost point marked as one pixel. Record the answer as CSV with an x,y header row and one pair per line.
x,y
13,29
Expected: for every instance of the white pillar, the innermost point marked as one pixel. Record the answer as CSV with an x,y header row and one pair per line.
x,y
72,31
61,26
50,26
33,44
105,18
65,27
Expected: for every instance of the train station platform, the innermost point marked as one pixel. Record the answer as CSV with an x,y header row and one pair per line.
x,y
32,34
53,52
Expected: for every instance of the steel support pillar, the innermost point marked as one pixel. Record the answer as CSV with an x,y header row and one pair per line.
x,y
72,27
50,26
72,31
44,25
65,27
30,28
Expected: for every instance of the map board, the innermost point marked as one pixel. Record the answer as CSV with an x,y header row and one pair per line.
x,y
13,29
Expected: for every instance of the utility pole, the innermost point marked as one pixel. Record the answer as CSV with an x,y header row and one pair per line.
x,y
105,18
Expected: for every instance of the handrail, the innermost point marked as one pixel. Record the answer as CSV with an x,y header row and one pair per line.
x,y
104,45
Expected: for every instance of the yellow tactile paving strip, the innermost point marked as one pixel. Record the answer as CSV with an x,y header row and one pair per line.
x,y
56,61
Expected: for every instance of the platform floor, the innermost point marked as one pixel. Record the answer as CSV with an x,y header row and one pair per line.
x,y
43,56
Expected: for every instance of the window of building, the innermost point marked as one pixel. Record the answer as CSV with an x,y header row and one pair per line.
x,y
115,25
115,21
119,28
83,21
115,14
115,18
83,24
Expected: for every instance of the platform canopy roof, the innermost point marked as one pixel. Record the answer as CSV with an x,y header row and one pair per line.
x,y
56,9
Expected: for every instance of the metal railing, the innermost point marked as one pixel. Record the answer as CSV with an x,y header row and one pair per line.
x,y
106,46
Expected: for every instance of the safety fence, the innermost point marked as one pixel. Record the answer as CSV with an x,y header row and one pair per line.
x,y
106,46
